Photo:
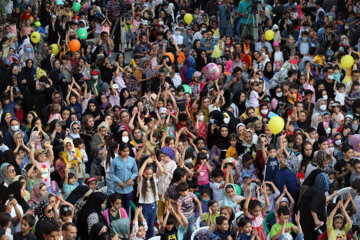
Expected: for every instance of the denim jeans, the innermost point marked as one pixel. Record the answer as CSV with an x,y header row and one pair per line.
x,y
125,198
149,212
201,187
190,229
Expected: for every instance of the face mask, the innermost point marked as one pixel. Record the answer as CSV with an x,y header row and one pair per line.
x,y
201,118
125,139
325,97
331,77
212,121
328,150
208,156
15,128
28,50
264,111
177,32
95,77
354,127
328,130
279,95
322,107
338,142
189,160
163,116
112,208
347,27
226,120
331,180
304,39
203,29
161,22
206,200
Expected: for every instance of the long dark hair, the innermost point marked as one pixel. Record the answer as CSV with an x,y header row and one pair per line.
x,y
152,182
110,147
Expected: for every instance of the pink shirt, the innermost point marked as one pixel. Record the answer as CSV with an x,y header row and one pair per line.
x,y
203,176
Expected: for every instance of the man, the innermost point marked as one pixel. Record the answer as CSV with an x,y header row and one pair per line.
x,y
329,81
143,47
130,82
245,13
112,12
325,37
207,43
159,81
354,78
161,42
224,15
50,230
263,43
69,231
106,42
236,83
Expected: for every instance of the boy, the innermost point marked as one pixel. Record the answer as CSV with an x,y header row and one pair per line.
x,y
92,183
356,171
171,223
19,113
343,166
27,223
205,198
5,220
333,182
245,230
271,160
223,228
284,216
231,152
185,205
217,184
8,101
71,180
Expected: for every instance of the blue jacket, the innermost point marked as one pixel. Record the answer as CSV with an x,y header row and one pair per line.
x,y
287,177
122,171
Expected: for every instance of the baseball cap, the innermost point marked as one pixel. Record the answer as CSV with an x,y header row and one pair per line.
x,y
276,44
94,72
115,86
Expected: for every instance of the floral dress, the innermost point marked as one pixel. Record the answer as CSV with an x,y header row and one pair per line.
x,y
257,223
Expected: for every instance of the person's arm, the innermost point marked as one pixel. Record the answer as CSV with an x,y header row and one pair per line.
x,y
350,199
199,206
247,201
57,204
267,202
113,175
163,223
344,213
68,95
11,93
67,169
18,216
141,170
50,153
292,202
263,150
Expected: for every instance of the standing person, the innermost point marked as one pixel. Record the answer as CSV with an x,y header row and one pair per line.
x,y
123,172
112,12
224,15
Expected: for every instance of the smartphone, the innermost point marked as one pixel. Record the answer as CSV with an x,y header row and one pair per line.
x,y
62,123
11,197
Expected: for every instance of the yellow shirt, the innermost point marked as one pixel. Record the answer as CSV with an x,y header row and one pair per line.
x,y
231,152
320,60
334,234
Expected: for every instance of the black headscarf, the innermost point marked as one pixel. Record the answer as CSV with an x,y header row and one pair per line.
x,y
15,189
27,72
40,212
77,193
241,105
93,205
267,74
95,113
95,231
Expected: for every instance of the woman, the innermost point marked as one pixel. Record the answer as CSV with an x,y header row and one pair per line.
x,y
56,133
285,177
91,214
19,191
268,72
239,103
306,154
38,194
45,212
123,172
228,213
93,110
29,71
201,60
8,173
97,141
221,144
87,131
74,130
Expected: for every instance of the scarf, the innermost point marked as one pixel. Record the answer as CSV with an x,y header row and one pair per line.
x,y
4,174
40,212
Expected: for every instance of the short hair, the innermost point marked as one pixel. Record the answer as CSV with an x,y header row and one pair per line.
x,y
66,226
271,147
78,141
182,187
220,220
243,221
283,210
217,173
346,147
5,219
30,219
205,191
50,226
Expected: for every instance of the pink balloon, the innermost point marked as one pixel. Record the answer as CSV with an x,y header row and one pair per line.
x,y
211,71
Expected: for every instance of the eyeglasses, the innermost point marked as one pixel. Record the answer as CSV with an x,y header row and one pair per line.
x,y
11,170
67,209
49,211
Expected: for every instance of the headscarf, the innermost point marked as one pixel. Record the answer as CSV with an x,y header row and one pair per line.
x,y
240,105
40,212
93,205
354,141
15,189
268,75
94,113
321,182
228,202
314,120
320,158
95,231
73,135
168,152
317,105
77,193
268,112
35,196
4,173
188,70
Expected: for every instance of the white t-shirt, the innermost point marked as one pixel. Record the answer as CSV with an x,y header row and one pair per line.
x,y
151,196
218,193
340,97
254,99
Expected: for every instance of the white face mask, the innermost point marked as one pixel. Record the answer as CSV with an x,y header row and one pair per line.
x,y
328,150
279,94
208,156
331,77
331,180
226,120
338,142
203,29
325,97
15,128
328,130
264,111
189,160
177,32
95,77
346,27
125,139
322,107
201,118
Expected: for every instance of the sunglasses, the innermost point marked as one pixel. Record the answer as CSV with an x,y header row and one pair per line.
x,y
76,128
11,170
129,71
49,211
67,209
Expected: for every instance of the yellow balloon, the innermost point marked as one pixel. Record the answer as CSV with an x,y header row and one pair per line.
x,y
35,37
269,35
54,48
347,61
188,18
276,124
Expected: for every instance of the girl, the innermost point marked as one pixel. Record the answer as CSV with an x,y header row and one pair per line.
x,y
335,223
72,156
278,57
165,177
282,201
252,209
71,180
147,190
254,97
171,194
116,216
200,125
231,199
203,169
272,193
139,227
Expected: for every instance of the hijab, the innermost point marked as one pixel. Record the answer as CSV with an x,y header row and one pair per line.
x,y
40,212
268,74
4,173
317,105
15,189
73,135
188,70
77,193
354,141
315,120
96,229
240,105
35,195
94,113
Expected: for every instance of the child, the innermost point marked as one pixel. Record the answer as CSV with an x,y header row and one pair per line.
x,y
254,98
139,227
273,193
171,193
79,144
27,223
217,184
19,113
278,57
200,125
335,223
282,201
32,176
343,166
271,160
231,199
43,161
147,191
249,182
333,182
356,171
54,112
231,152
92,183
71,180
337,117
203,169
5,222
8,101
222,228
252,209
284,216
352,95
247,232
106,26
71,155
205,195
300,235
209,217
185,205
340,93
171,223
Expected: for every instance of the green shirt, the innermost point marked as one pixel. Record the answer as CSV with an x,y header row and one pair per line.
x,y
276,228
244,6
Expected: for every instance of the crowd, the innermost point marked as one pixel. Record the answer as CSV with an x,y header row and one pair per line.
x,y
111,128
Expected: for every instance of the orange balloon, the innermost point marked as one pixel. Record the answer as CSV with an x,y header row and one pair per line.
x,y
171,56
74,45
